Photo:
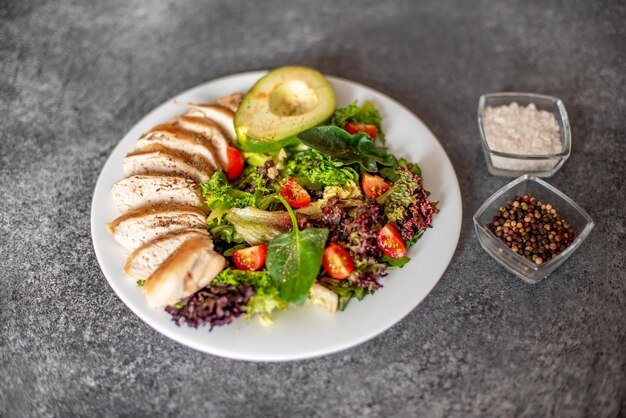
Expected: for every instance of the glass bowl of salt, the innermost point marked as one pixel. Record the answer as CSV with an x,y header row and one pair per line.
x,y
523,133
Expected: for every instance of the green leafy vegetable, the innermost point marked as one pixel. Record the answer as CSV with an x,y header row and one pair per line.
x,y
399,196
221,231
294,259
221,196
266,297
347,149
346,291
391,174
406,204
364,114
395,262
258,226
316,170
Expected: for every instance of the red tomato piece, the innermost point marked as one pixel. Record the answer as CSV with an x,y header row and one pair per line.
x,y
235,163
251,258
337,262
369,129
294,194
390,241
374,186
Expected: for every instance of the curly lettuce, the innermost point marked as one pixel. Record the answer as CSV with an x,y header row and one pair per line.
x,y
266,297
315,170
221,196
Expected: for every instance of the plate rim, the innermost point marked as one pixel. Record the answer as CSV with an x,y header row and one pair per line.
x,y
171,332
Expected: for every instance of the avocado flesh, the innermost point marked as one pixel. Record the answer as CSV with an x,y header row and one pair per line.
x,y
280,105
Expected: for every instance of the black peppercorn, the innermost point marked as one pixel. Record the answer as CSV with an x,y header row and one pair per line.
x,y
532,229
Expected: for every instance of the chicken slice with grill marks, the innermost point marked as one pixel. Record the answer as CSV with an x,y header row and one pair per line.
x,y
192,267
146,259
210,130
232,101
198,148
221,115
135,228
148,189
159,159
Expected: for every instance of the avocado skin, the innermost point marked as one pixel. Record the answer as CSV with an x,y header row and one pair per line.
x,y
252,145
259,129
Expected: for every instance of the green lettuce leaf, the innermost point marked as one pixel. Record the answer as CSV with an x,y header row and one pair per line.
x,y
221,196
266,297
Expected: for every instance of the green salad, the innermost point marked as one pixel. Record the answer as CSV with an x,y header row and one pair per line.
x,y
322,218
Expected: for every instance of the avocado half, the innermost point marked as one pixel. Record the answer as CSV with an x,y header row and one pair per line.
x,y
280,105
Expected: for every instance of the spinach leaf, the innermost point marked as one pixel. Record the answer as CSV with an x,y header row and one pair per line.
x,y
294,259
347,149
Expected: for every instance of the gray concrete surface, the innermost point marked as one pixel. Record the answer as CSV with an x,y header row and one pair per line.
x,y
75,76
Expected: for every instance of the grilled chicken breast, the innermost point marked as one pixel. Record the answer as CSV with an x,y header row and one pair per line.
x,y
196,147
210,130
148,189
192,266
232,101
219,114
146,259
159,159
144,224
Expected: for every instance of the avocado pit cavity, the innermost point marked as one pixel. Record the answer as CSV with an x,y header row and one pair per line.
x,y
292,98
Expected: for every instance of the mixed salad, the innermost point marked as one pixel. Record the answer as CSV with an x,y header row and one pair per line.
x,y
323,219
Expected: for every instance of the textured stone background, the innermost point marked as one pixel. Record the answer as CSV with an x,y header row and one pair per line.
x,y
75,76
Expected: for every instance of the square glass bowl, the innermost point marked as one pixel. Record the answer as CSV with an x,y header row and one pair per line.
x,y
513,165
567,209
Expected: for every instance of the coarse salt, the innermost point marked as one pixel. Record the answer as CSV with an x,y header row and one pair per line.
x,y
516,129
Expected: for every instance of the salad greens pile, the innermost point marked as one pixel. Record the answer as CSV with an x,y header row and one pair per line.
x,y
358,192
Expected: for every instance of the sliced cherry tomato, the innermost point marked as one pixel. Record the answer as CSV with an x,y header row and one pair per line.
x,y
235,163
390,241
374,186
354,128
337,262
251,258
295,194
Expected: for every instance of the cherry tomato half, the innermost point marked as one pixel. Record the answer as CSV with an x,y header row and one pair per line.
x,y
294,194
337,262
390,241
251,258
235,163
374,186
369,129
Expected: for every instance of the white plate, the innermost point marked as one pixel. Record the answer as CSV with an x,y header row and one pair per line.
x,y
299,332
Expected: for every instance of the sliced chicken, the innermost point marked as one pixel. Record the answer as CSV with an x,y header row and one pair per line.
x,y
146,259
144,224
219,114
158,159
197,147
232,101
148,189
209,130
188,270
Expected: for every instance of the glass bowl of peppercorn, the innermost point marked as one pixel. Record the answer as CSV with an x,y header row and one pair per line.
x,y
530,227
523,133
